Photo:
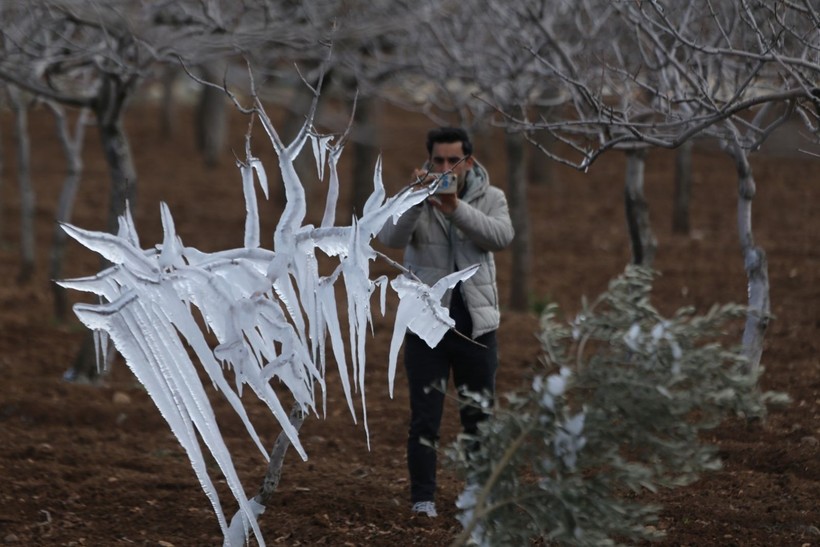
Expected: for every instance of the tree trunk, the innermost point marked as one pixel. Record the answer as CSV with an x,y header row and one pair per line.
x,y
27,198
117,152
516,161
540,166
277,458
87,368
364,154
211,115
643,241
683,188
755,263
2,177
239,523
123,180
72,147
167,120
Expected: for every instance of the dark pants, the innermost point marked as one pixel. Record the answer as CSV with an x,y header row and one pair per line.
x,y
428,370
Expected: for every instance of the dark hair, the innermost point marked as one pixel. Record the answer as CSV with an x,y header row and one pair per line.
x,y
449,134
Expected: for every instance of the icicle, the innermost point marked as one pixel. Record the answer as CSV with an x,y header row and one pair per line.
x,y
320,149
171,254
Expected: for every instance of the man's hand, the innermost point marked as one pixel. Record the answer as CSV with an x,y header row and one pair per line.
x,y
446,203
422,176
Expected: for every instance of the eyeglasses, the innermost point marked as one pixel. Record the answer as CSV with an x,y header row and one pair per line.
x,y
452,160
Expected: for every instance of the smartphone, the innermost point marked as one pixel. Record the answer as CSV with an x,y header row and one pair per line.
x,y
448,183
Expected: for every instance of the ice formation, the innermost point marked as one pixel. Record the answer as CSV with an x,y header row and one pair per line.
x,y
270,311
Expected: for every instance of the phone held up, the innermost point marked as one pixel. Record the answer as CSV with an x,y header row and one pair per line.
x,y
447,183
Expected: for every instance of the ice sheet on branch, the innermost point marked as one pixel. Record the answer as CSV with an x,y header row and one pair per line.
x,y
420,311
270,311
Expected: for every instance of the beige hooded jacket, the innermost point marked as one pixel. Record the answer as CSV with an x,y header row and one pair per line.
x,y
436,244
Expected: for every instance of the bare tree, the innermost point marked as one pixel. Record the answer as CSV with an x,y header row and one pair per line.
x,y
82,59
631,75
643,241
211,115
2,175
82,62
637,74
683,188
273,36
20,102
72,143
520,286
365,153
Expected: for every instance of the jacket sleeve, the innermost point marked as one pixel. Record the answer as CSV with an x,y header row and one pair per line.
x,y
398,235
493,230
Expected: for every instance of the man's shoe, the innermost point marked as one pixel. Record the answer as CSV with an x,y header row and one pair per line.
x,y
425,508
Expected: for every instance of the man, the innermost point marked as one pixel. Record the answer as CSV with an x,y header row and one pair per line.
x,y
446,233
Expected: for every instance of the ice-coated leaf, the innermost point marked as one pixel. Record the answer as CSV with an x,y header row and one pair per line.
x,y
329,218
327,298
104,283
372,222
333,241
320,149
261,174
113,248
377,197
420,311
126,228
171,254
251,207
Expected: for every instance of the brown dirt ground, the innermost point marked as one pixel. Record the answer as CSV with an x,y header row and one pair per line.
x,y
96,465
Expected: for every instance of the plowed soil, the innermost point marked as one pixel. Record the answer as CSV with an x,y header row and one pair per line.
x,y
97,465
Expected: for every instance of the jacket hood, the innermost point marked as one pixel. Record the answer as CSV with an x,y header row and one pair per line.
x,y
478,179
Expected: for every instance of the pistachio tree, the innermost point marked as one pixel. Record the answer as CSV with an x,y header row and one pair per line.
x,y
732,71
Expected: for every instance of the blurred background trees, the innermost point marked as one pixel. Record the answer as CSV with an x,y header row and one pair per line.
x,y
568,80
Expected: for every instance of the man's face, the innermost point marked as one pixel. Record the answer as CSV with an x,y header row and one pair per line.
x,y
446,155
